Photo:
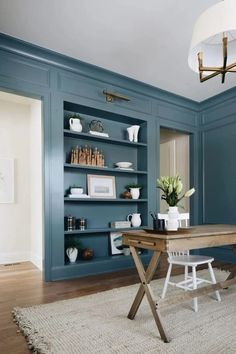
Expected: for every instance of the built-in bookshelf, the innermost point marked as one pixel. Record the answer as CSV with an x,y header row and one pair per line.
x,y
100,212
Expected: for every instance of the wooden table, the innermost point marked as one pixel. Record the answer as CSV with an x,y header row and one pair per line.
x,y
200,237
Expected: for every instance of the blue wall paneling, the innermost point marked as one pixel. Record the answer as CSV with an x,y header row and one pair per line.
x,y
217,131
66,84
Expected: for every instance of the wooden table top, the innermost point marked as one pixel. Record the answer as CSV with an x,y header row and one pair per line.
x,y
195,231
200,236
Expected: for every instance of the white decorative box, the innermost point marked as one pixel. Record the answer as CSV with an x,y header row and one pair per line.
x,y
120,224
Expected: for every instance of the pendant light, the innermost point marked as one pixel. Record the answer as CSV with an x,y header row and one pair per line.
x,y
213,46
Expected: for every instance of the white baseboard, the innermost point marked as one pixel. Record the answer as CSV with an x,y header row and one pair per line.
x,y
14,257
37,261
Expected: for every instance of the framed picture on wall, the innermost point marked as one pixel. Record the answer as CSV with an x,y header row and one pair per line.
x,y
101,186
116,243
6,180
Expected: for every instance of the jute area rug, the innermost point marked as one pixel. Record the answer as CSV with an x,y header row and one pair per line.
x,y
98,324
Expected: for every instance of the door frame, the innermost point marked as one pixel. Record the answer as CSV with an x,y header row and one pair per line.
x,y
193,167
46,151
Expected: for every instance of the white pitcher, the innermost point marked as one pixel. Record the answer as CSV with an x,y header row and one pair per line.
x,y
75,125
135,219
72,254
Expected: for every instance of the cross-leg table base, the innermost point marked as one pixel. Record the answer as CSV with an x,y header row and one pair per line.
x,y
145,288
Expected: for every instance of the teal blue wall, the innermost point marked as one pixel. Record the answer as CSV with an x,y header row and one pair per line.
x,y
218,164
35,72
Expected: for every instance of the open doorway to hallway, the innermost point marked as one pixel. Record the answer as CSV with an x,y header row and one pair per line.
x,y
21,183
174,160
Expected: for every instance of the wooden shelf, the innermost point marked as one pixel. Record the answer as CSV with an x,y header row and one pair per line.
x,y
118,200
103,169
103,230
114,258
75,135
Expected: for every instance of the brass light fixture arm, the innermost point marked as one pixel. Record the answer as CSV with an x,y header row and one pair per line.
x,y
225,44
216,70
111,96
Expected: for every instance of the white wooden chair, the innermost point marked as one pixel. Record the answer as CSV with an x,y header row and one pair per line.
x,y
183,219
183,258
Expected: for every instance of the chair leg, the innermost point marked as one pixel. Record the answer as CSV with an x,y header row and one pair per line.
x,y
166,281
213,279
195,302
185,274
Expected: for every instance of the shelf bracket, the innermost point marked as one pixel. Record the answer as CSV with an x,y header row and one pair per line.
x,y
111,96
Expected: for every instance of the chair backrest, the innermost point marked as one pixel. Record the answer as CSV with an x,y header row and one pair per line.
x,y
178,253
183,219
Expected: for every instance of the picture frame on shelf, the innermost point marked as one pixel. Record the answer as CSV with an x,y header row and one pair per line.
x,y
116,243
7,181
100,186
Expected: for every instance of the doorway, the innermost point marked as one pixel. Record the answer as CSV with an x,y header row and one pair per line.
x,y
174,160
21,221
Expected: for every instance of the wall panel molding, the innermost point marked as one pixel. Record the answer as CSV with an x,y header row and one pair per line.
x,y
177,114
56,60
226,120
222,98
93,89
17,68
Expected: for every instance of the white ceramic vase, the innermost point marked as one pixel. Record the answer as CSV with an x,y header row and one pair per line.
x,y
173,216
135,193
135,219
126,251
72,254
136,130
130,131
133,133
75,125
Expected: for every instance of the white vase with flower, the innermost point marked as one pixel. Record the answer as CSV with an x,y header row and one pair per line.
x,y
172,188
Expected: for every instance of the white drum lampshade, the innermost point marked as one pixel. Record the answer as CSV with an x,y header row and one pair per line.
x,y
216,22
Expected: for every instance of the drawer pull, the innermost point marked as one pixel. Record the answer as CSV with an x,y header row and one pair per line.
x,y
110,96
144,243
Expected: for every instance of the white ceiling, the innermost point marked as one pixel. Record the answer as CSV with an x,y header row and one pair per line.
x,y
145,40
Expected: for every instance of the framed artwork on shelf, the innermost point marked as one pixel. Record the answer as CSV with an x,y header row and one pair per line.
x,y
116,243
6,180
101,186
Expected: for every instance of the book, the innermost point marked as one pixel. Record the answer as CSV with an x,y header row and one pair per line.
x,y
93,132
79,195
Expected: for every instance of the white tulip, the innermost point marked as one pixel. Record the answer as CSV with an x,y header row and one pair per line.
x,y
189,193
179,187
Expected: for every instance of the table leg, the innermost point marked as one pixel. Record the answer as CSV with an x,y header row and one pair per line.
x,y
151,269
233,273
146,277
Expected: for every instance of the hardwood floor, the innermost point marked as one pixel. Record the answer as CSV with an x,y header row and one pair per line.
x,y
22,285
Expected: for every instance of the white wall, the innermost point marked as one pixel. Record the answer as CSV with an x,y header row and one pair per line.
x,y
36,217
21,223
14,218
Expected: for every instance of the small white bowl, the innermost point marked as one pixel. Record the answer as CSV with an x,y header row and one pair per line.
x,y
75,190
124,164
